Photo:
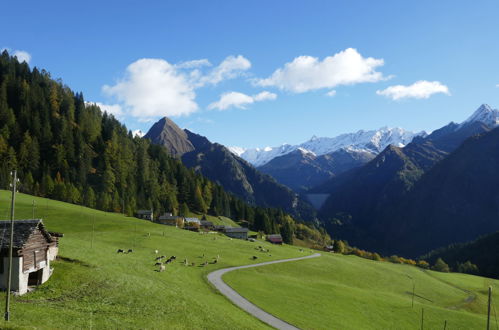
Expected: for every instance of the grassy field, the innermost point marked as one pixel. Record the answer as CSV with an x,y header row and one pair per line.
x,y
348,292
94,287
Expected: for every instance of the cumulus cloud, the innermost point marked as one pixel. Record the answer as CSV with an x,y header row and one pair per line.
x,y
306,73
229,68
22,55
421,89
239,100
153,88
331,93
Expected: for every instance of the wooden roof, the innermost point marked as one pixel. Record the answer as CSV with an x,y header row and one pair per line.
x,y
236,230
22,231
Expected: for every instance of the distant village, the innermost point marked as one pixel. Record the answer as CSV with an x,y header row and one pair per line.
x,y
195,224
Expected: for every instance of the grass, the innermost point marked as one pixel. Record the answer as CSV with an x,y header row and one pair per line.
x,y
94,287
348,292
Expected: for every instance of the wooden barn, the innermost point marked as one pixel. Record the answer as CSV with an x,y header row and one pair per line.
x,y
33,250
274,239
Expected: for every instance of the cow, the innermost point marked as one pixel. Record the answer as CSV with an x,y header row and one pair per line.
x,y
120,251
162,268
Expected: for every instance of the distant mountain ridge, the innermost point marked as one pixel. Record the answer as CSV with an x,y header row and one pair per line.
x,y
372,141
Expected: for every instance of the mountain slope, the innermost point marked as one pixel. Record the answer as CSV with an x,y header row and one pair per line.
x,y
166,133
237,176
301,169
359,197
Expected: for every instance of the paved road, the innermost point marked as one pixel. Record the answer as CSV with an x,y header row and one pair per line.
x,y
215,278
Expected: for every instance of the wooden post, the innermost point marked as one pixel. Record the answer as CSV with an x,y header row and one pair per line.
x,y
422,318
445,325
93,227
9,274
488,308
413,288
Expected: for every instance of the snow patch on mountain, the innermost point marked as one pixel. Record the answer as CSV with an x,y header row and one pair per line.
x,y
373,141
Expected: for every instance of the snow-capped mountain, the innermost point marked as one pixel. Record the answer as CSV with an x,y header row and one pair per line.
x,y
372,141
484,114
138,133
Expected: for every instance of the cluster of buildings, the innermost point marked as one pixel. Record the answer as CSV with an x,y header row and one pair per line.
x,y
195,224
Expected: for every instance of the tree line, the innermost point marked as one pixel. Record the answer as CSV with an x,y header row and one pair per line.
x,y
67,149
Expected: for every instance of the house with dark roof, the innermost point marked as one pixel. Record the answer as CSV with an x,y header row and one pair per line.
x,y
237,232
274,239
33,250
145,214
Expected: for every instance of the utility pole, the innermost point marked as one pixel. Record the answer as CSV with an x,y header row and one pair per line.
x,y
422,318
9,278
488,308
93,227
33,209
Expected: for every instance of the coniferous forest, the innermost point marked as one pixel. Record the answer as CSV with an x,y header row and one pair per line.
x,y
69,150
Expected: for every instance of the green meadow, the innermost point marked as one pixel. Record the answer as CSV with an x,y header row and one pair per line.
x,y
349,292
94,287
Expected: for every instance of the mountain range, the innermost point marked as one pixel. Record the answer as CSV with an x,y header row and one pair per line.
x,y
217,163
409,200
313,162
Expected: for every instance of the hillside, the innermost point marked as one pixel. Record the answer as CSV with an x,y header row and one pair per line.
x,y
348,292
482,252
356,209
237,176
94,287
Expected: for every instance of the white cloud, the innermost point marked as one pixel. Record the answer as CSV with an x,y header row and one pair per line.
x,y
22,55
497,85
153,88
264,96
307,73
193,64
239,100
421,89
229,68
331,93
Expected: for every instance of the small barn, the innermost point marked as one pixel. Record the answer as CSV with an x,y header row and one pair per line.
x,y
274,239
33,250
237,232
171,220
145,214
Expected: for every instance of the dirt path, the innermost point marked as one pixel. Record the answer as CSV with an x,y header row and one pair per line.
x,y
215,278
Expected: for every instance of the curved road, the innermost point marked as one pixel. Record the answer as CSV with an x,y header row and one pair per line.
x,y
215,278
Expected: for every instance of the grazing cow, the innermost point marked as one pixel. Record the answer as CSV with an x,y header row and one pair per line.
x,y
214,261
168,261
162,268
193,264
130,251
158,264
173,257
255,257
158,258
120,251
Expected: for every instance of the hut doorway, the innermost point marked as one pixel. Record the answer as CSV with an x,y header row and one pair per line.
x,y
35,278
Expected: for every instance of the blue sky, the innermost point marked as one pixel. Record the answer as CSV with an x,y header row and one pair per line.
x,y
127,55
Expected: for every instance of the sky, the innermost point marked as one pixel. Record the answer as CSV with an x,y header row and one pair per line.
x,y
264,73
